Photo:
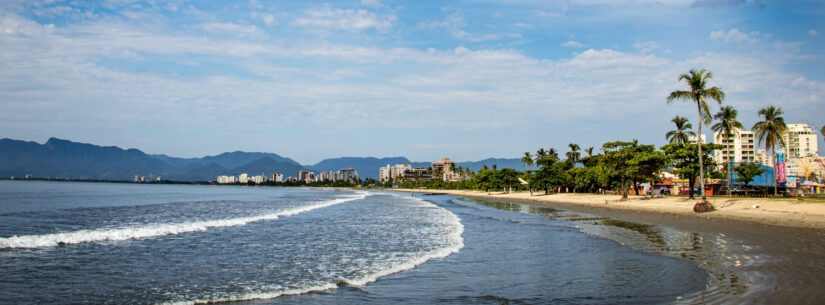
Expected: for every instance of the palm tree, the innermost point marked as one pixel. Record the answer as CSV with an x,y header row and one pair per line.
x,y
728,125
682,132
573,154
772,130
541,154
697,81
527,160
553,154
589,151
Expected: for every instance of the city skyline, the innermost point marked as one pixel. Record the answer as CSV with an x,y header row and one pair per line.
x,y
381,78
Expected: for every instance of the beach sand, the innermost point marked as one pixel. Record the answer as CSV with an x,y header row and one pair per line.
x,y
771,254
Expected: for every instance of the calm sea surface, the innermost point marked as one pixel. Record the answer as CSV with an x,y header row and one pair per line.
x,y
102,243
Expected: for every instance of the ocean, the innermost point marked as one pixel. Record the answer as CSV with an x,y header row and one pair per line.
x,y
106,243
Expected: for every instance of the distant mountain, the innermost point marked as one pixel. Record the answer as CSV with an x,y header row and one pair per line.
x,y
59,158
225,160
268,166
66,159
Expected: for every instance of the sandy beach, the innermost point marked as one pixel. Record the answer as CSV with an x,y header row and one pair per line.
x,y
757,251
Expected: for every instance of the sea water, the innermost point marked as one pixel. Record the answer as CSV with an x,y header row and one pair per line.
x,y
98,243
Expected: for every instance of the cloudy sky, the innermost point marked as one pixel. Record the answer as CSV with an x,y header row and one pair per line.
x,y
422,79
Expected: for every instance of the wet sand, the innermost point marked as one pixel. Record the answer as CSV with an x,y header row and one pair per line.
x,y
764,259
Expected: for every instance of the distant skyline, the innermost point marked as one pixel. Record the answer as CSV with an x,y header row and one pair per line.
x,y
466,80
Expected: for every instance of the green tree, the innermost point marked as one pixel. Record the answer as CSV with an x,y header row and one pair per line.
x,y
527,159
747,171
699,93
772,130
682,132
728,126
685,161
540,154
484,179
645,165
549,175
506,176
573,154
615,162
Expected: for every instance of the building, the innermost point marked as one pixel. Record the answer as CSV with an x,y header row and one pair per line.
x,y
306,176
445,167
739,147
801,141
348,174
384,173
277,177
243,178
692,139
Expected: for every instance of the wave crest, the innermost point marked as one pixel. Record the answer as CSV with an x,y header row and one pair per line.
x,y
116,234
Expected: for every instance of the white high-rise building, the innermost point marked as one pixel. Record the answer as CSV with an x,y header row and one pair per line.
x,y
740,147
801,141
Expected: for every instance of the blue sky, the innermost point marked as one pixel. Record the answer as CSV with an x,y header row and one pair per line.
x,y
422,79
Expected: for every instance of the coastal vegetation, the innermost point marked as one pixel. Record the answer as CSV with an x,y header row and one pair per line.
x,y
699,93
771,130
727,126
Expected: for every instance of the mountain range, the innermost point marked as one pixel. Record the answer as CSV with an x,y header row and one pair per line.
x,y
58,158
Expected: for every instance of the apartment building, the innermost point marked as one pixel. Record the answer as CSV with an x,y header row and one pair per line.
x,y
738,147
801,141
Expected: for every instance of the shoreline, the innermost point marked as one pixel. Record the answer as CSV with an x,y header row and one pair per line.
x,y
771,254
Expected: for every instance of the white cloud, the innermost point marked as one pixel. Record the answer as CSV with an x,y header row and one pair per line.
x,y
646,47
734,35
242,30
813,33
572,44
345,19
52,76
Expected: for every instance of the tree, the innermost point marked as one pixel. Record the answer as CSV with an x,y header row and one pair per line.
x,y
645,164
573,154
549,175
553,154
747,171
685,162
527,159
682,132
698,93
615,159
728,126
540,154
484,179
506,176
772,131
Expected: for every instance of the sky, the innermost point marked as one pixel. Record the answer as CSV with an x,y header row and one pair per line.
x,y
422,79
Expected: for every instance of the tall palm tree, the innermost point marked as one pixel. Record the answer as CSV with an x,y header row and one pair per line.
x,y
682,132
553,154
540,154
698,93
728,126
589,151
772,130
573,154
527,160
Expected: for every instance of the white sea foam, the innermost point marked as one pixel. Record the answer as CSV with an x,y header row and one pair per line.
x,y
454,244
115,234
252,296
